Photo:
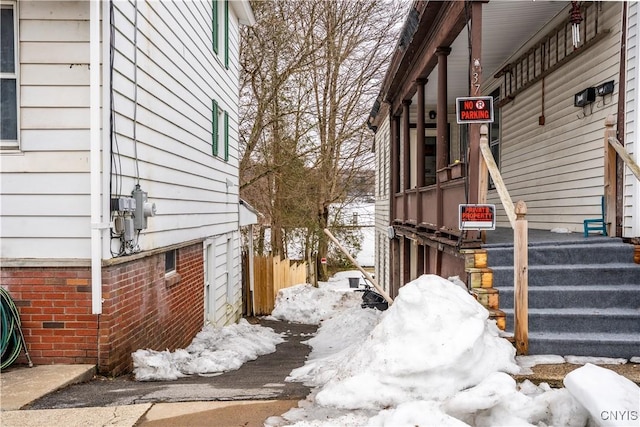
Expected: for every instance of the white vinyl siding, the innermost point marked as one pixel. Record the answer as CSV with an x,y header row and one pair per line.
x,y
178,77
383,165
45,187
557,169
631,193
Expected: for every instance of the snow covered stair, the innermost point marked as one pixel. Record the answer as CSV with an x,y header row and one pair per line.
x,y
584,296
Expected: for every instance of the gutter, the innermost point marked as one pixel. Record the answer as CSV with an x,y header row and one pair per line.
x,y
94,155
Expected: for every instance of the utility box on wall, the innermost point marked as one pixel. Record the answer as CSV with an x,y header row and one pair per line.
x,y
143,208
585,97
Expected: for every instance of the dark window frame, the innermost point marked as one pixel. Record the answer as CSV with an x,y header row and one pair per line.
x,y
9,72
170,261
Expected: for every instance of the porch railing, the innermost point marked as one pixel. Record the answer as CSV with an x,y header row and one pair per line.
x,y
612,147
516,214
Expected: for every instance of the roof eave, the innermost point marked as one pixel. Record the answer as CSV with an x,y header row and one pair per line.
x,y
243,10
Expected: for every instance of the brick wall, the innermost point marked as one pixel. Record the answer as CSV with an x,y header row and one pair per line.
x,y
55,311
141,309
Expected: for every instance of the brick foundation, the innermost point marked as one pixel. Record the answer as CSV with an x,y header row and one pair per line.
x,y
141,309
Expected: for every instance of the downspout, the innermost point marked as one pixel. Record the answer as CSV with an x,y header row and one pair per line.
x,y
95,144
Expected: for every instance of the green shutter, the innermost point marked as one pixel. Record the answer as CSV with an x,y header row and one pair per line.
x,y
226,136
214,25
226,34
214,128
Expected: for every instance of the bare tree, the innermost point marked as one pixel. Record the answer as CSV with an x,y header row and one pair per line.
x,y
274,53
357,37
310,71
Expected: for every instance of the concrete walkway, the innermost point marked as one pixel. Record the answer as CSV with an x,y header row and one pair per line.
x,y
71,395
42,395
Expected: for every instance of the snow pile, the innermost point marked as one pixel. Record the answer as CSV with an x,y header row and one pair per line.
x,y
616,404
307,304
213,350
350,326
442,349
433,359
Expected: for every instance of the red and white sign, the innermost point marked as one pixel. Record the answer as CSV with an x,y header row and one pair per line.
x,y
323,260
477,217
474,110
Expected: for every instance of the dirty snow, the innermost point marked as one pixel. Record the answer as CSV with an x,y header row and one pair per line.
x,y
432,359
213,350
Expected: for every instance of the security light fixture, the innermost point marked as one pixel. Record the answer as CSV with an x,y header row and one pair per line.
x,y
585,97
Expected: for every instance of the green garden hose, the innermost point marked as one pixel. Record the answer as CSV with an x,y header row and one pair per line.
x,y
11,337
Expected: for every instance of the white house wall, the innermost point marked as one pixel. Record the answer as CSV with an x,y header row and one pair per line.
x,y
178,77
631,198
383,176
45,184
557,169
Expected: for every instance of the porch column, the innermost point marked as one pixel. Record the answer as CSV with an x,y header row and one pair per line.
x,y
420,149
406,261
421,265
420,134
395,166
395,267
442,132
406,158
476,81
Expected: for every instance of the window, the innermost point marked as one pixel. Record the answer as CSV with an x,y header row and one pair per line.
x,y
214,128
8,77
170,261
494,133
219,137
226,136
220,29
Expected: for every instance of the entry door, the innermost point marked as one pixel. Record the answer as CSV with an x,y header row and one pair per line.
x,y
209,281
429,159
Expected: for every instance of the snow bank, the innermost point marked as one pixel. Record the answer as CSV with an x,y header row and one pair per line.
x,y
213,350
306,304
433,358
432,342
610,398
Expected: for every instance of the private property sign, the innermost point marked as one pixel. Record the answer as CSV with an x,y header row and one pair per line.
x,y
477,217
477,109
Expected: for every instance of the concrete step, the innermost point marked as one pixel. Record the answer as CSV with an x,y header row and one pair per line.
x,y
571,275
624,345
594,296
583,253
580,320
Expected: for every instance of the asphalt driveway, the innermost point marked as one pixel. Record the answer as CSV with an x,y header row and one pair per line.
x,y
260,379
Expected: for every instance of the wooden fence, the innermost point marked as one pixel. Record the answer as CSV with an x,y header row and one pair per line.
x,y
271,274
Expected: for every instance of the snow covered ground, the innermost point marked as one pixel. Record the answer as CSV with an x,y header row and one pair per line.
x,y
432,359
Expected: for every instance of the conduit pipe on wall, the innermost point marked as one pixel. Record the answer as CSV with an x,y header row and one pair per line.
x,y
95,144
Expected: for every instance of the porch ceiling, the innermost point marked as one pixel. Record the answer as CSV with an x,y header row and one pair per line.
x,y
506,26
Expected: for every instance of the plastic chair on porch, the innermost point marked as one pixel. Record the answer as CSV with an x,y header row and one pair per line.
x,y
596,224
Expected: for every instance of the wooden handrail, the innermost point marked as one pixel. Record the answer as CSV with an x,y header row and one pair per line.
x,y
520,226
625,156
501,188
521,280
612,149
